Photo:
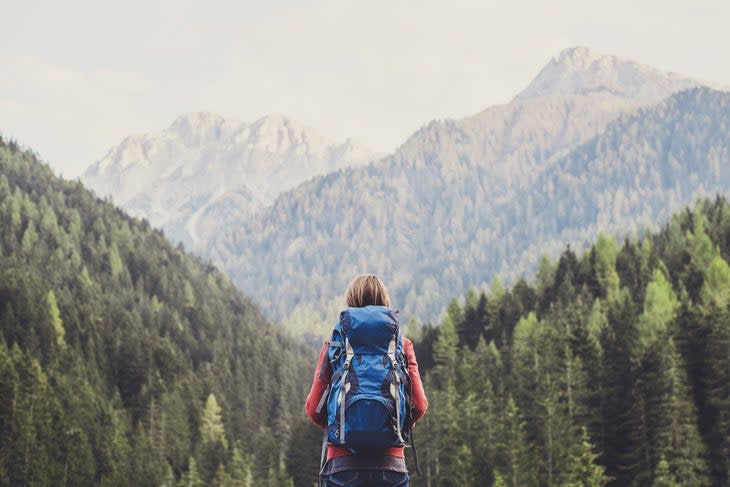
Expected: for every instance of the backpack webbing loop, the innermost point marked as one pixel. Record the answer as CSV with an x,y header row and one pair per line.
x,y
323,399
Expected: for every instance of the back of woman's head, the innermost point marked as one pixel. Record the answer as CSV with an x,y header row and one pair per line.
x,y
366,289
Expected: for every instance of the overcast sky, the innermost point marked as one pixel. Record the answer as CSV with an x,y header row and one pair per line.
x,y
76,77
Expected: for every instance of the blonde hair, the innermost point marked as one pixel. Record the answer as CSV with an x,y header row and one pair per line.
x,y
366,289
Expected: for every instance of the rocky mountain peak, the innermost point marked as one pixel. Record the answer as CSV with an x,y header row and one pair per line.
x,y
582,71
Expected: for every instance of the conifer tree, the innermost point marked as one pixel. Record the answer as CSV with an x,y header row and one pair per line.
x,y
619,343
302,459
191,478
79,465
583,469
660,306
663,477
240,470
221,479
516,458
211,424
717,392
31,431
56,321
499,480
8,389
606,275
169,479
117,453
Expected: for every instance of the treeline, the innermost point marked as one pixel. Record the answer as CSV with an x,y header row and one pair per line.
x,y
611,368
123,360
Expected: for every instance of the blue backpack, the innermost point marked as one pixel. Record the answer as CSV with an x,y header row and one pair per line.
x,y
367,401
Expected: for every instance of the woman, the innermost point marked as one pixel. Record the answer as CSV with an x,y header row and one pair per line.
x,y
385,467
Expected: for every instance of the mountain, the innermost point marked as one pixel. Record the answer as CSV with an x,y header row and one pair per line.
x,y
125,361
205,172
581,71
448,209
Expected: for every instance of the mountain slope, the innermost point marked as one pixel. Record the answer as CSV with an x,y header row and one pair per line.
x,y
438,215
205,172
638,172
123,360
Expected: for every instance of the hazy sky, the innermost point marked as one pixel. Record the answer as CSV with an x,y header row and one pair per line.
x,y
76,77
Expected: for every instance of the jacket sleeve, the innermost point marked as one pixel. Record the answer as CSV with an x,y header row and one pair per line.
x,y
418,395
321,380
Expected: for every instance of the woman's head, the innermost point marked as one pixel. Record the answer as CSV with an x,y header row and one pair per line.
x,y
366,289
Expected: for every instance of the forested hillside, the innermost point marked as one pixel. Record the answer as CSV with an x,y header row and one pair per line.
x,y
123,360
611,367
445,212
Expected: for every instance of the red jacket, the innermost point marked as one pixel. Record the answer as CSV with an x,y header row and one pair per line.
x,y
322,376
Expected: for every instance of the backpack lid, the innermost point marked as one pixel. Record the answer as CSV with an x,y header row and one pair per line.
x,y
372,325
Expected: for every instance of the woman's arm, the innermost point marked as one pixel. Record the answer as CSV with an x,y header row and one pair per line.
x,y
321,380
418,395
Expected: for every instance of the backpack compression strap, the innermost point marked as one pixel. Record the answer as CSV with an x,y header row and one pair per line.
x,y
349,354
395,386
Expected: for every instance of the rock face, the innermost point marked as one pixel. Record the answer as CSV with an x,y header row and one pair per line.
x,y
457,203
205,173
580,71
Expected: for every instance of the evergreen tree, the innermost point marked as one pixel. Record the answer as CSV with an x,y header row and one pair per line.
x,y
499,480
211,424
583,469
31,435
56,321
663,477
191,478
240,470
619,343
660,306
221,479
302,459
516,457
717,392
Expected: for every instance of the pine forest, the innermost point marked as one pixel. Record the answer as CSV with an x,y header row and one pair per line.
x,y
125,361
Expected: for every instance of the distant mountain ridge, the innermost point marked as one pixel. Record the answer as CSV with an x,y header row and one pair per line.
x,y
443,212
205,171
445,198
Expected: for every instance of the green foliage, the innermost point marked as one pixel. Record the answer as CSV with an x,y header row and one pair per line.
x,y
212,429
191,478
583,469
660,305
716,287
499,480
615,374
663,476
123,359
612,364
516,453
56,321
